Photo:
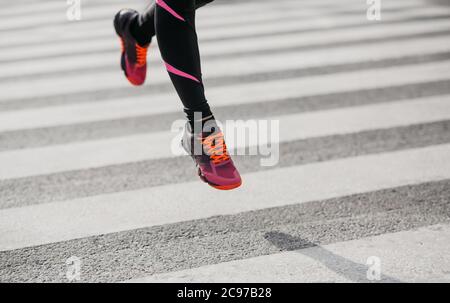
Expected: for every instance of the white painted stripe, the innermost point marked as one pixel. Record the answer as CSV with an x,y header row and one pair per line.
x,y
90,154
224,96
239,65
401,258
108,213
58,16
41,6
19,8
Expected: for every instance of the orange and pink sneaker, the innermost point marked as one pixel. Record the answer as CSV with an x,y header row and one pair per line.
x,y
134,56
209,152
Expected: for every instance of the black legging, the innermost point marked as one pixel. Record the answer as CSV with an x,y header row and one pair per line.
x,y
173,22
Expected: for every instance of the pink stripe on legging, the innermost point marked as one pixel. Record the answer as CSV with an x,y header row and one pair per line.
x,y
167,8
178,72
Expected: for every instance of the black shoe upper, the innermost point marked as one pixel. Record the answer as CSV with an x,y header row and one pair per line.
x,y
192,141
122,24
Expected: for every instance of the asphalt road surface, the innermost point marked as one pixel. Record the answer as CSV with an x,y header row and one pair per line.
x,y
91,191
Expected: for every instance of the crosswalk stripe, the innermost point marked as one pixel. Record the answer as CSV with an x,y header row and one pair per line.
x,y
338,262
168,204
51,159
223,96
18,8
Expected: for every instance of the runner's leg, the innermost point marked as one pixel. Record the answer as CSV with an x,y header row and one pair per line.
x,y
177,41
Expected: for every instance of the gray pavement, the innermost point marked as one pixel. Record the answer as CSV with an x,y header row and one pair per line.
x,y
327,59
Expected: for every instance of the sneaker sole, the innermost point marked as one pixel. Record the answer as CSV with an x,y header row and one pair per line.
x,y
225,187
216,186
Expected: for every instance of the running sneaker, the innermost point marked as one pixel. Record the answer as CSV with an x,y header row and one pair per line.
x,y
210,155
134,56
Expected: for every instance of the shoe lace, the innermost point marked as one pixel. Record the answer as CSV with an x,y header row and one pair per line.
x,y
214,146
141,55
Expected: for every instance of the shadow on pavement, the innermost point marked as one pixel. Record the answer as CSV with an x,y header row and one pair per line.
x,y
348,269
